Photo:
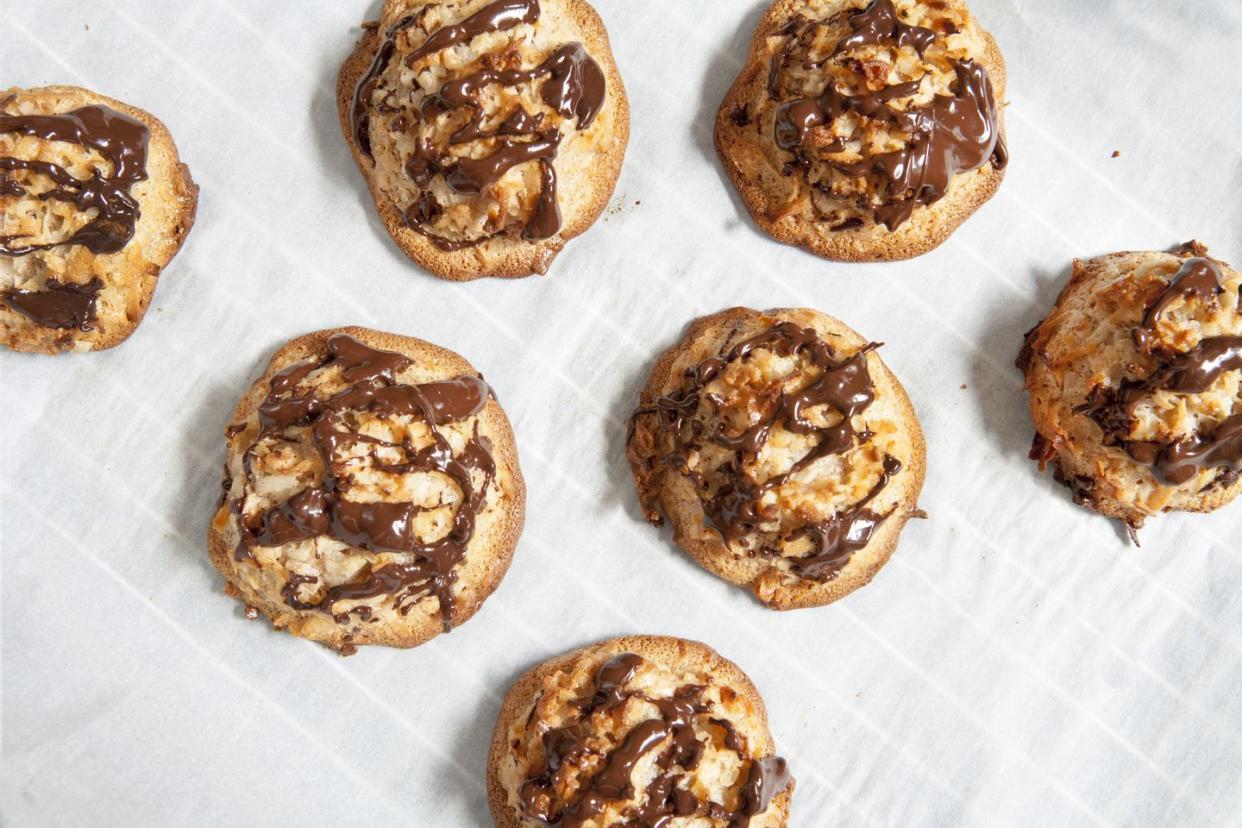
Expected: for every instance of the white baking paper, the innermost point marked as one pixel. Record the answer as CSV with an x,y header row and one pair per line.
x,y
1016,664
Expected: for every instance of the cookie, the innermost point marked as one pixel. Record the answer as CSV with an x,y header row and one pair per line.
x,y
94,202
491,132
866,131
1135,383
372,493
643,730
782,450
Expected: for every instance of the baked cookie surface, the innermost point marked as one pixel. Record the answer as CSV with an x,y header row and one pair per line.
x,y
372,493
490,132
1135,383
642,730
94,202
785,454
865,131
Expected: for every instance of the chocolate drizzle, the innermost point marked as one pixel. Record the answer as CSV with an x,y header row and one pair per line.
x,y
496,17
736,507
879,24
1190,372
58,305
573,86
119,139
674,740
327,510
359,118
950,135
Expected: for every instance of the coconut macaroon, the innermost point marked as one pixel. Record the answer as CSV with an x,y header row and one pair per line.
x,y
372,493
491,132
865,131
642,730
1135,382
94,202
783,451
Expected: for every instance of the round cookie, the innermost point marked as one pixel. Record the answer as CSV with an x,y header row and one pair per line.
x,y
865,131
1135,383
491,132
644,730
783,451
372,493
94,202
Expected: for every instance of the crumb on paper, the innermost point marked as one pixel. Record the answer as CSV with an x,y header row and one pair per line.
x,y
963,386
1116,153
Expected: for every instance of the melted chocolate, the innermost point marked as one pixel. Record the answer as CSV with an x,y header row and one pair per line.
x,y
610,681
496,17
472,176
359,119
1198,278
573,85
950,135
327,510
1190,372
879,24
119,139
672,736
836,540
735,508
767,777
58,305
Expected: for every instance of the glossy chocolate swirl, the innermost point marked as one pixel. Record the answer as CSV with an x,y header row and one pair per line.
x,y
572,85
950,135
734,508
1189,372
328,510
119,139
672,738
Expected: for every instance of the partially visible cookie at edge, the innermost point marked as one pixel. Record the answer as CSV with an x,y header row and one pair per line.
x,y
636,731
490,133
785,454
866,130
1135,383
372,493
94,202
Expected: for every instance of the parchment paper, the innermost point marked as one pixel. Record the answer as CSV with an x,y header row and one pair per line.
x,y
1016,664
